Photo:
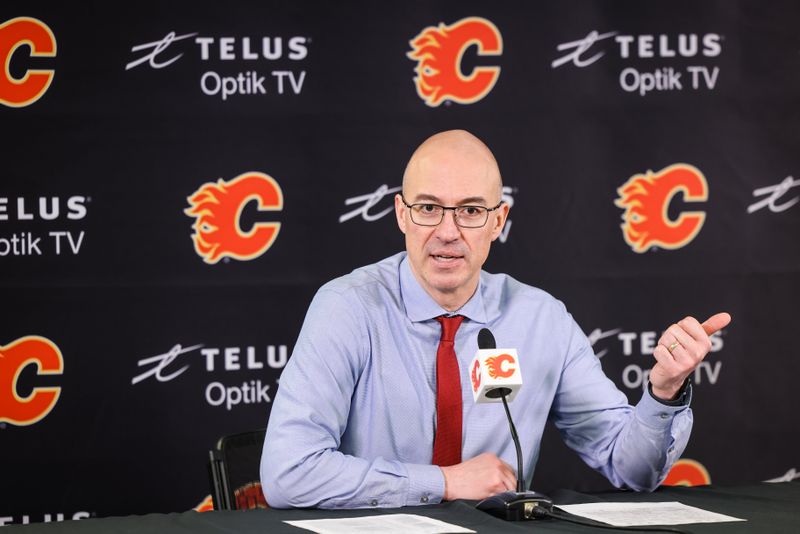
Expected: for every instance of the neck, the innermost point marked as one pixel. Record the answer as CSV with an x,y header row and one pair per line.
x,y
452,301
451,305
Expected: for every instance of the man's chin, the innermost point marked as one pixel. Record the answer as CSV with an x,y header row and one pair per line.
x,y
446,283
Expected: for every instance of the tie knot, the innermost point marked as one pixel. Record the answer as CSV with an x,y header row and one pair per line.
x,y
449,326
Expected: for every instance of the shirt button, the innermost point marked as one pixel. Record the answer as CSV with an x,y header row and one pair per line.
x,y
664,415
424,498
373,502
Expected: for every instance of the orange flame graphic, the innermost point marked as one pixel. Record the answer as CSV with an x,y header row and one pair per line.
x,y
646,199
206,505
16,356
494,365
439,51
476,375
218,207
250,496
14,33
687,472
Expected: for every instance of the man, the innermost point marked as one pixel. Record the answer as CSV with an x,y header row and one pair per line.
x,y
362,417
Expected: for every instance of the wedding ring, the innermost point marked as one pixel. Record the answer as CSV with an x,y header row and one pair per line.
x,y
672,347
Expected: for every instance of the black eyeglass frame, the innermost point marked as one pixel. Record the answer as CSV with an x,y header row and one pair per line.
x,y
445,208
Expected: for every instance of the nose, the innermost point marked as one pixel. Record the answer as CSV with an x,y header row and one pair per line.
x,y
448,230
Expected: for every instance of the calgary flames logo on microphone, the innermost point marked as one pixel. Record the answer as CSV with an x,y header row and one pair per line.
x,y
14,33
687,472
646,199
218,208
501,366
475,375
439,52
16,356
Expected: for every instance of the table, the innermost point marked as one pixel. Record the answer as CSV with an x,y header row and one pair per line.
x,y
768,508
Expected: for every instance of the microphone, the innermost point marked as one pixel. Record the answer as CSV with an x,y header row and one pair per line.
x,y
495,376
494,373
486,339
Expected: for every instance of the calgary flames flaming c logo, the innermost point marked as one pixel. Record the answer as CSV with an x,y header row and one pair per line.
x,y
218,208
687,472
17,32
439,51
646,199
494,365
16,356
476,375
250,496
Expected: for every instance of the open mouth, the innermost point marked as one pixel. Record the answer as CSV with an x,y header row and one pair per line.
x,y
445,258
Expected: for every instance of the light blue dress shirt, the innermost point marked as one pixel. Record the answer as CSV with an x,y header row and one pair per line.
x,y
353,421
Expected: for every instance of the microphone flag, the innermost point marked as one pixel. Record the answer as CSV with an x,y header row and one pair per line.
x,y
493,372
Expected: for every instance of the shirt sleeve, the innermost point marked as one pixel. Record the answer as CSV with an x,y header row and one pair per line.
x,y
301,465
633,447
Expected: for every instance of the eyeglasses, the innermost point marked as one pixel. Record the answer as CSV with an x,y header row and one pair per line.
x,y
426,214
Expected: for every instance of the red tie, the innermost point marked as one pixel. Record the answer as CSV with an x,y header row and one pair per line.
x,y
447,442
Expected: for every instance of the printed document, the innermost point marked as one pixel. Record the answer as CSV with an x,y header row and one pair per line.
x,y
384,524
628,514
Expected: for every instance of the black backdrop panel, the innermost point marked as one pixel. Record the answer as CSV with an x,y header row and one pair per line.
x,y
164,352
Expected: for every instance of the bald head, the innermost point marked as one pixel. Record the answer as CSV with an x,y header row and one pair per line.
x,y
450,170
445,148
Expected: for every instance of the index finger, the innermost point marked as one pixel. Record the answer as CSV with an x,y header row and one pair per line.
x,y
716,322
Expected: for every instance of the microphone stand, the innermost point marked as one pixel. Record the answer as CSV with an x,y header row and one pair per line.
x,y
515,437
519,505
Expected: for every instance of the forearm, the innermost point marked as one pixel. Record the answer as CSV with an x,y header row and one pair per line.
x,y
299,477
633,447
649,444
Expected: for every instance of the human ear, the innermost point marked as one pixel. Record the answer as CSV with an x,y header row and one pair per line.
x,y
400,212
498,219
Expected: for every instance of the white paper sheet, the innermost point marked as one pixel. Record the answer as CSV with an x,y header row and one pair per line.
x,y
384,524
626,514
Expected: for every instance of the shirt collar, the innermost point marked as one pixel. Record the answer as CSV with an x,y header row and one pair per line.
x,y
420,306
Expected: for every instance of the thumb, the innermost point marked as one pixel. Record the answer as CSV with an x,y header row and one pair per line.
x,y
716,322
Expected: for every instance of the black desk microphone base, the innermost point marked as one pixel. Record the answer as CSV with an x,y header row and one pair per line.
x,y
516,506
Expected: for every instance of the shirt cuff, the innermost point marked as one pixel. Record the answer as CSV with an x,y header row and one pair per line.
x,y
426,484
682,399
658,414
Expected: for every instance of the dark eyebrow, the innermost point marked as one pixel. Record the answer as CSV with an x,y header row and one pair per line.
x,y
469,201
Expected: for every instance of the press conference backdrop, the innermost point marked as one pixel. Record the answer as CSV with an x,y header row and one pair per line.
x,y
179,178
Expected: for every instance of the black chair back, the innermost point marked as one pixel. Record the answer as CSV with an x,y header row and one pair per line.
x,y
234,471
